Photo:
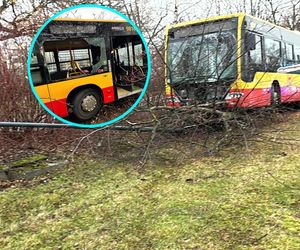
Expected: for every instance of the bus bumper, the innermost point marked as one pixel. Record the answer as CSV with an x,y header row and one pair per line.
x,y
173,101
248,98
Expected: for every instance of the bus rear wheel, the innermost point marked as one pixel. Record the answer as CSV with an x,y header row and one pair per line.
x,y
86,104
275,95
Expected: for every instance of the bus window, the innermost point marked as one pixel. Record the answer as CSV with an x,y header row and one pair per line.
x,y
34,59
64,56
273,54
36,73
138,52
98,54
123,56
297,53
254,56
289,54
64,60
75,57
50,59
131,59
81,56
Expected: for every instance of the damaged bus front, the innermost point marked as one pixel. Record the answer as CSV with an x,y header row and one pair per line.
x,y
201,61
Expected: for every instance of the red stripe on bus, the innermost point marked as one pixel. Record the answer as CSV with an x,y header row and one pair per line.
x,y
60,107
261,97
290,94
252,98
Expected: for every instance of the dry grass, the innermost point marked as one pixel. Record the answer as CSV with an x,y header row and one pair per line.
x,y
242,199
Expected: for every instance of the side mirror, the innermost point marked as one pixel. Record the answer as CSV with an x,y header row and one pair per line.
x,y
250,41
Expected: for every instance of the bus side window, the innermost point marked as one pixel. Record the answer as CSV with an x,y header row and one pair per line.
x,y
289,54
138,52
35,69
253,55
33,59
123,56
256,54
98,54
81,56
131,59
297,53
273,54
103,56
67,58
50,59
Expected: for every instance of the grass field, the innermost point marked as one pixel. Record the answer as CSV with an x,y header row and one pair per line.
x,y
242,199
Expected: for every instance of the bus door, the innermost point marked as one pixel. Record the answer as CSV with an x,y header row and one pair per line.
x,y
129,65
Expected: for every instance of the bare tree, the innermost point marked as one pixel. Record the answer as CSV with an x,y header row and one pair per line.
x,y
152,115
292,17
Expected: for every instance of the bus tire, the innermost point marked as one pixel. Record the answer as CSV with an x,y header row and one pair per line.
x,y
86,104
275,95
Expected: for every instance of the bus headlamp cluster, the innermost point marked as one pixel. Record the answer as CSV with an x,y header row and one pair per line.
x,y
234,95
183,94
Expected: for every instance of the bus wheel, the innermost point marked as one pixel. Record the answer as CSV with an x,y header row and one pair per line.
x,y
86,104
275,95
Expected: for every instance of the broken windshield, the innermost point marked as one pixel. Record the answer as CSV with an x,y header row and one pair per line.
x,y
206,57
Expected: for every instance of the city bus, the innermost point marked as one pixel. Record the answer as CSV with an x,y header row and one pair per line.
x,y
233,61
79,65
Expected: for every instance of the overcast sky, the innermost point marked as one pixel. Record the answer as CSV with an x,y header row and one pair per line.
x,y
91,13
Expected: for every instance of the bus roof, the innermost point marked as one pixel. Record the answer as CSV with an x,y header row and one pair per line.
x,y
216,18
89,20
203,20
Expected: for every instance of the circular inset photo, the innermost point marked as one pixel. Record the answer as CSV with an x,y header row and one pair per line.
x,y
89,66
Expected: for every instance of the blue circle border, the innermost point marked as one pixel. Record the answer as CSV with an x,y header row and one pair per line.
x,y
100,125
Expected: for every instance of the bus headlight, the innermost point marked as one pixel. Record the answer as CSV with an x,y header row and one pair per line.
x,y
234,95
183,94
